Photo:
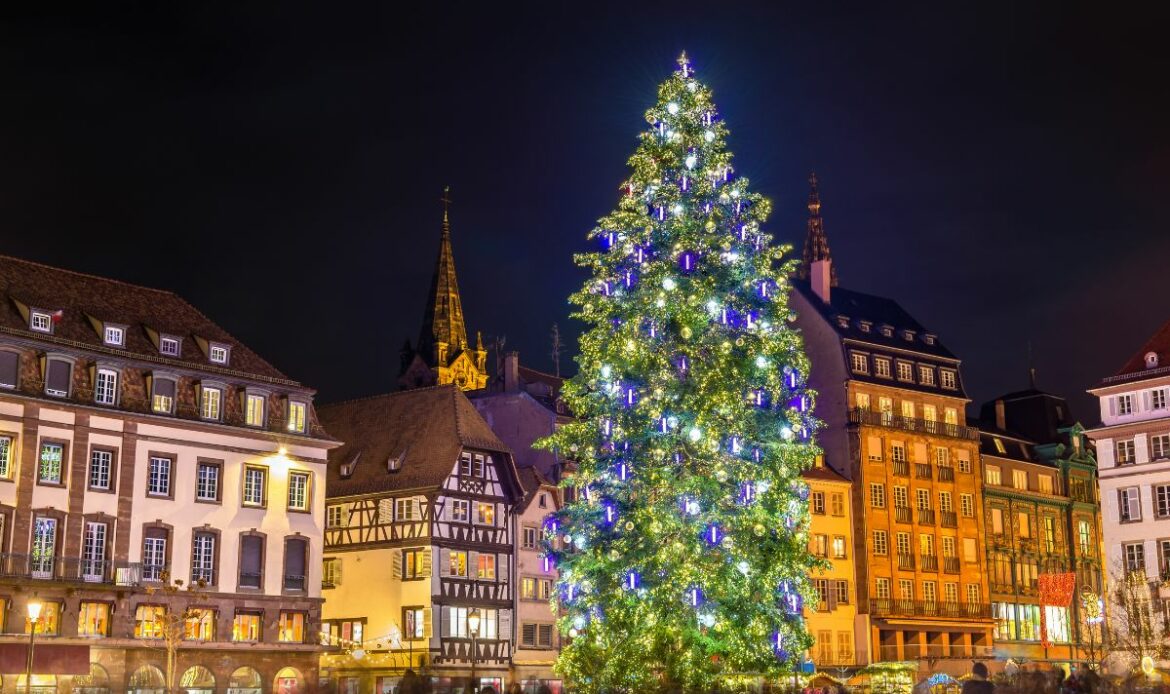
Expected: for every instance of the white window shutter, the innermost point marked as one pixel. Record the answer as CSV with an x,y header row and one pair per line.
x,y
385,510
444,562
505,625
502,562
396,562
445,616
1113,406
1135,505
427,622
426,563
1145,399
472,565
417,508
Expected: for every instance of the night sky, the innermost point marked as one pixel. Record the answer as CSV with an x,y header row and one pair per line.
x,y
1001,169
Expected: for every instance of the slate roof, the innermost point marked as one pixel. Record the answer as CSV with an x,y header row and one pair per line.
x,y
532,480
83,299
857,307
1017,446
823,473
427,428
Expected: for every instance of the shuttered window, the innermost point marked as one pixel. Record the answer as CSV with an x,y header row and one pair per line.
x,y
251,561
9,369
295,551
57,376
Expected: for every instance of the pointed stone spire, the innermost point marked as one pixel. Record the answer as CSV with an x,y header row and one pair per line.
x,y
817,264
443,333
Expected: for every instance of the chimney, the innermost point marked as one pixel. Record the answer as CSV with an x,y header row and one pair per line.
x,y
512,372
820,277
1000,416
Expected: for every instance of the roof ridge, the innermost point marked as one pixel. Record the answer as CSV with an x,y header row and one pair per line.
x,y
391,394
96,277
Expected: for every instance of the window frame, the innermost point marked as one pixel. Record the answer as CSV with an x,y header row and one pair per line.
x,y
155,378
251,396
35,317
214,348
112,474
110,373
172,470
7,449
70,364
213,464
109,329
204,390
308,491
244,500
178,342
82,619
293,424
63,472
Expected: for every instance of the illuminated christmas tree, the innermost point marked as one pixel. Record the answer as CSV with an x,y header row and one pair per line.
x,y
683,559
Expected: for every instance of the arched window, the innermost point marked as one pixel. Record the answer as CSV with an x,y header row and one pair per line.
x,y
197,680
96,682
288,681
146,680
245,680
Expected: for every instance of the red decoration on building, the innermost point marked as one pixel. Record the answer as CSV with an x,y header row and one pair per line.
x,y
1055,590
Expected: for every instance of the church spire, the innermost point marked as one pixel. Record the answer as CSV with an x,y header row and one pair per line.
x,y
443,333
816,243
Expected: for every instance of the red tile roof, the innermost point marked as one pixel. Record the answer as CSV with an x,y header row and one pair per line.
x,y
83,299
1135,366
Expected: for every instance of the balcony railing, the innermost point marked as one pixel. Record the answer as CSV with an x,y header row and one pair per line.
x,y
951,565
906,561
948,519
888,419
70,569
921,471
912,651
903,514
901,468
946,473
294,582
921,608
929,562
926,516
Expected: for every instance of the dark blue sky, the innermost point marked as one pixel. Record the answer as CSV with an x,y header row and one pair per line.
x,y
1000,168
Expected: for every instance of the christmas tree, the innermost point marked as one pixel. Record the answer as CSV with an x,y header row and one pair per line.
x,y
683,559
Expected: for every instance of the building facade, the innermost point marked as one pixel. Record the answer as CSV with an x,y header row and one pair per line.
x,y
419,544
892,400
1041,517
832,621
142,446
442,353
537,637
1133,450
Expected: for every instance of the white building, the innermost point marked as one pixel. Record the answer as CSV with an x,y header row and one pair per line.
x,y
140,445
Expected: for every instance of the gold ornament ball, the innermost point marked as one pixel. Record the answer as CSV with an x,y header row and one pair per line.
x,y
685,333
759,530
629,525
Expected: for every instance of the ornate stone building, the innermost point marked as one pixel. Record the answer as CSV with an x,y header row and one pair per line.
x,y
892,400
1042,516
442,353
142,445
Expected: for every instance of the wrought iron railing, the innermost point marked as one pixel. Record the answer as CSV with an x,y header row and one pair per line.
x,y
887,419
70,569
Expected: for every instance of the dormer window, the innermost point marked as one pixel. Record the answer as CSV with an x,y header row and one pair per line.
x,y
58,377
41,322
542,500
168,346
348,466
1151,360
296,416
905,371
864,325
105,390
881,367
948,378
887,331
394,463
860,363
843,321
929,339
908,335
926,375
218,354
114,336
254,409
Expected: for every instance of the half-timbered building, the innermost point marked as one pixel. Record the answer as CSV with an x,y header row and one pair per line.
x,y
418,542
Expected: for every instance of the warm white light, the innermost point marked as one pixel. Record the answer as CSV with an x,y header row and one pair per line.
x,y
668,283
473,622
34,609
695,434
708,136
691,161
672,108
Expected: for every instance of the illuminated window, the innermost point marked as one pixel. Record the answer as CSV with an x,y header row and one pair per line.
x,y
926,375
1049,534
1044,483
1085,537
820,545
485,513
997,521
837,504
999,447
907,409
291,627
862,400
947,379
254,411
209,402
149,621
331,572
881,367
457,564
992,475
247,627
1024,524
199,624
49,465
948,546
923,497
528,588
860,363
818,503
951,592
974,594
6,457
1020,479
486,567
929,591
415,622
838,547
296,416
163,399
930,414
942,457
905,371
416,563
93,619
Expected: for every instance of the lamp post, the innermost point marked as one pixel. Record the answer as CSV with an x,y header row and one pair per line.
x,y
473,627
34,617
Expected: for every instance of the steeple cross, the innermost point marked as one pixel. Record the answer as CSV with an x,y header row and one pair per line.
x,y
446,200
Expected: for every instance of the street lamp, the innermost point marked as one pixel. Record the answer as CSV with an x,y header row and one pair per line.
x,y
34,618
473,627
